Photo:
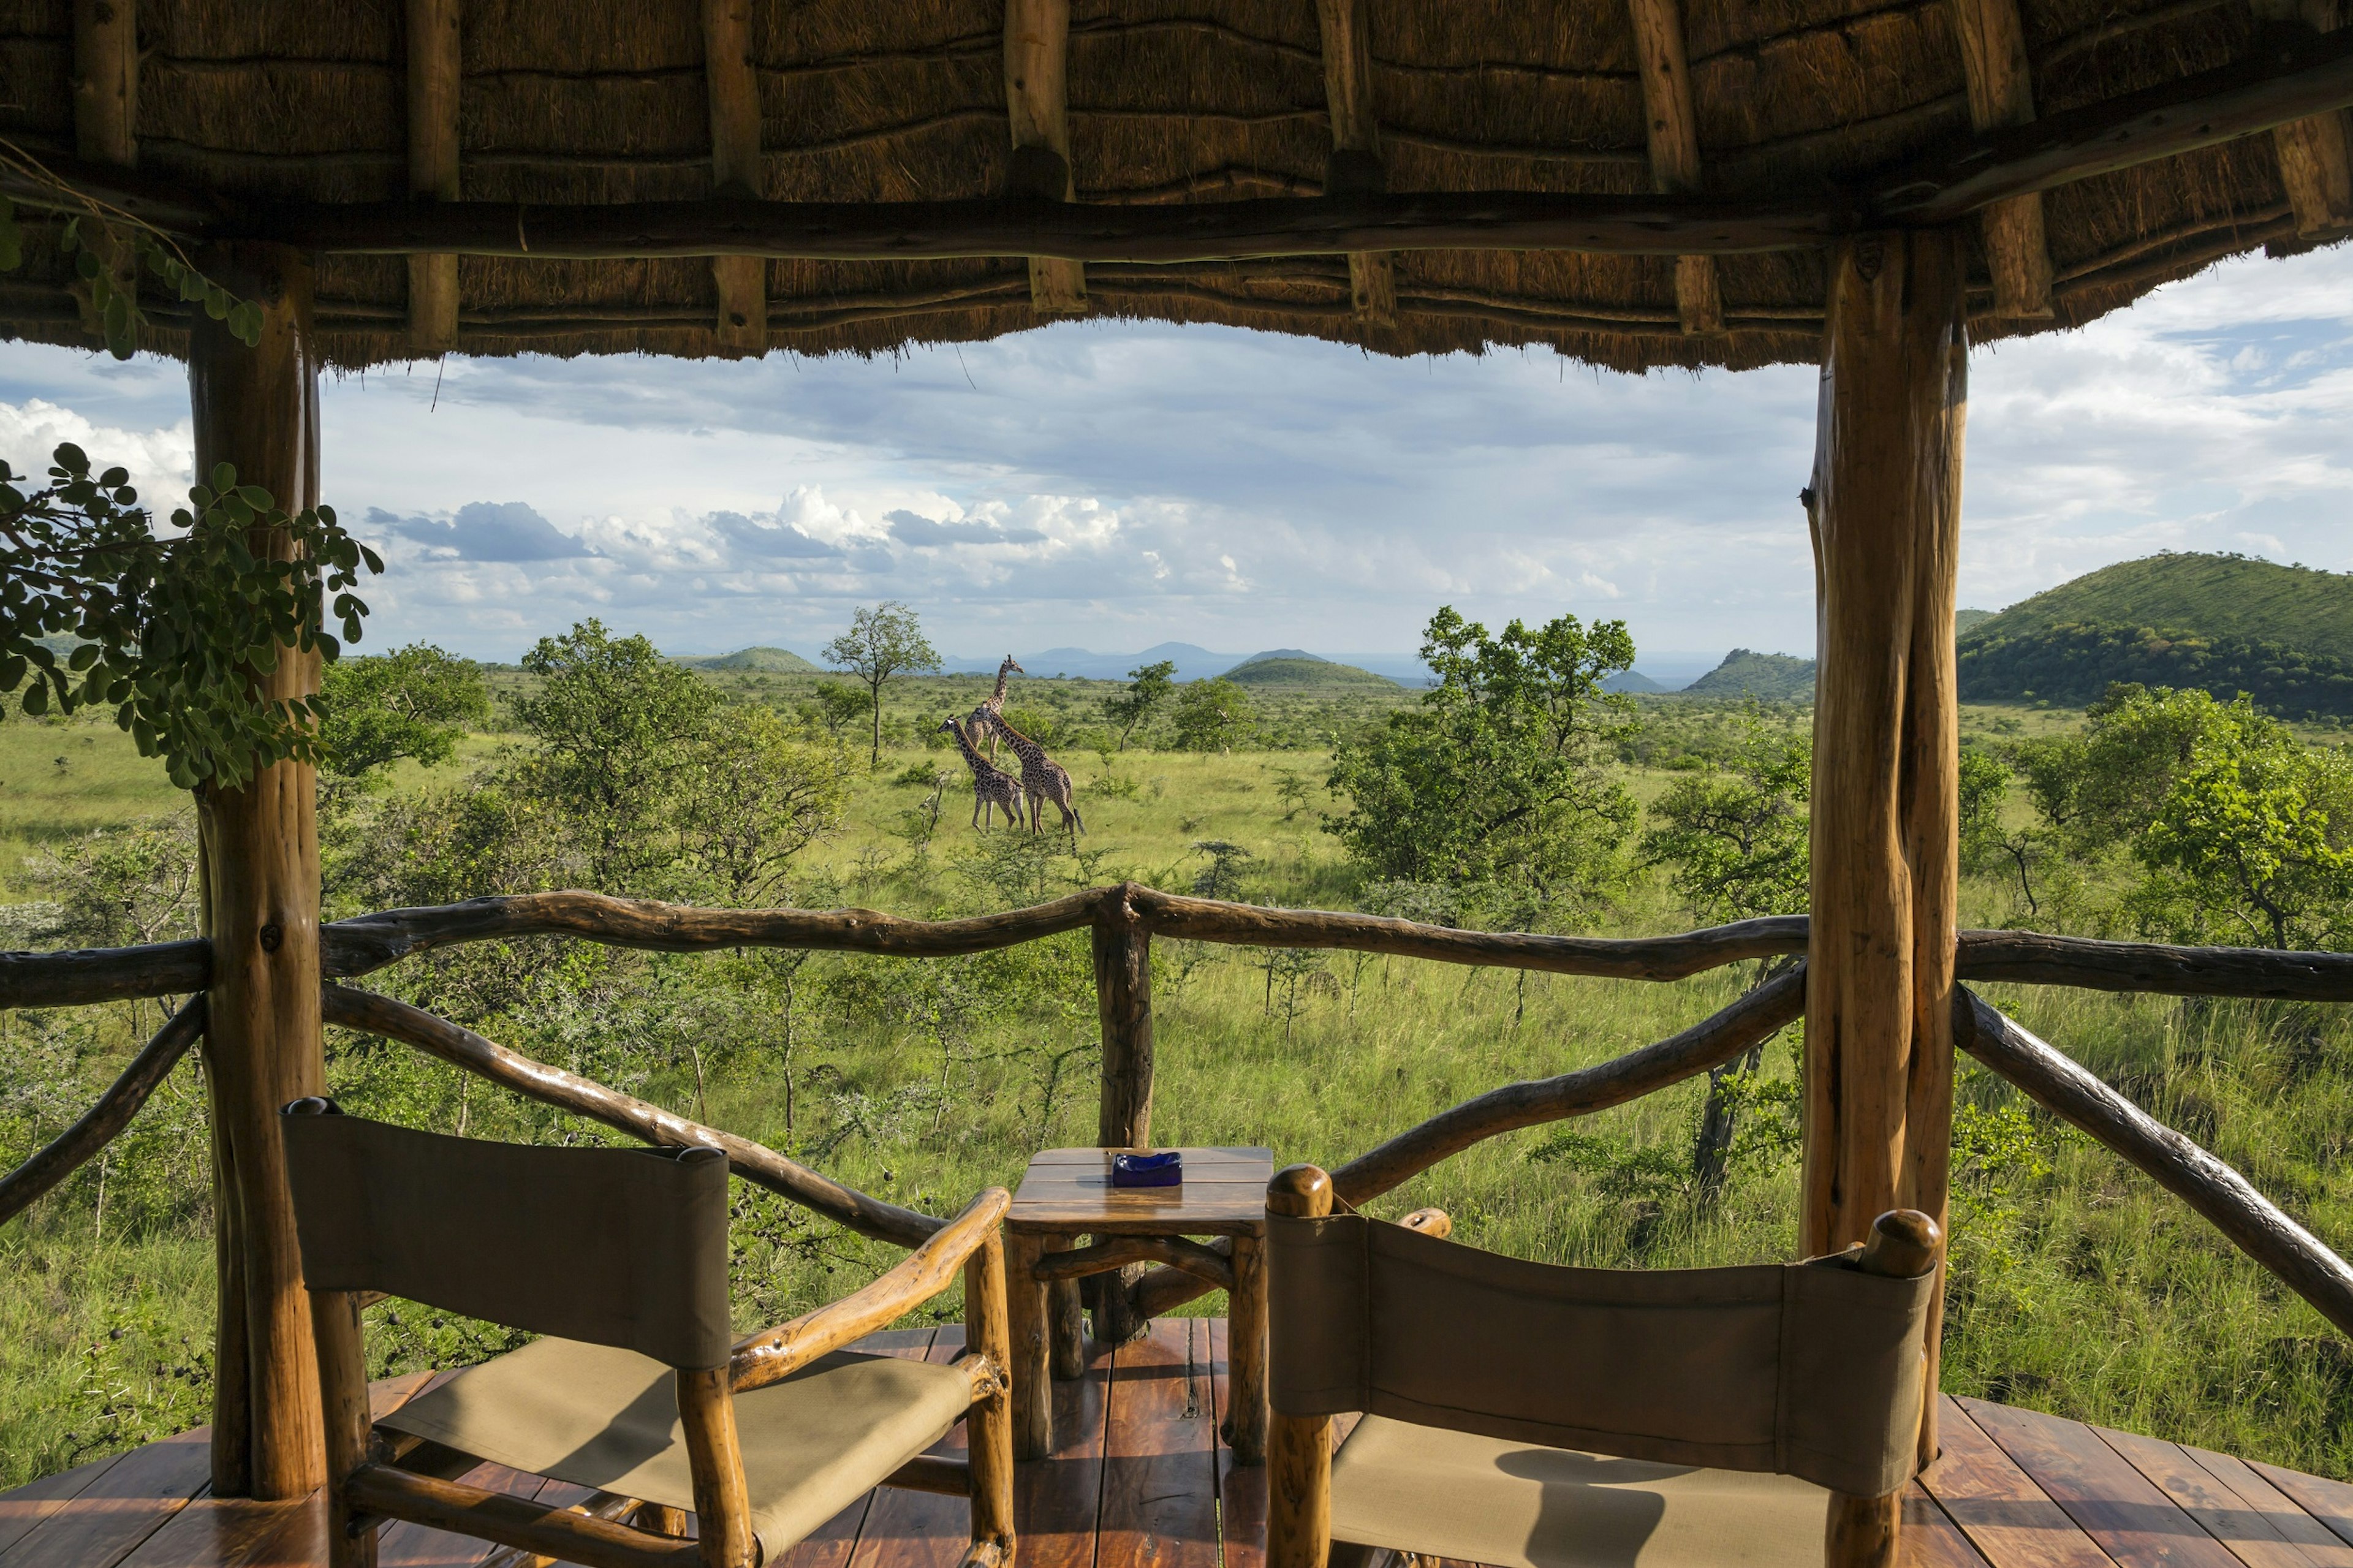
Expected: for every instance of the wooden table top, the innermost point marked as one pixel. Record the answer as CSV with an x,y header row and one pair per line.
x,y
1068,1191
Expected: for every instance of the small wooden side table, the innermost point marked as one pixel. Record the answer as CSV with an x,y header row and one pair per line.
x,y
1067,1194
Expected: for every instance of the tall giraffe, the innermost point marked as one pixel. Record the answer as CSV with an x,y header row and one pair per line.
x,y
1042,778
993,704
991,785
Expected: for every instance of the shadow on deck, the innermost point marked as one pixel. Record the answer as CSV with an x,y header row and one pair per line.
x,y
1139,1481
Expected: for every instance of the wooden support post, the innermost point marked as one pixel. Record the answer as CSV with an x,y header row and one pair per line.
x,y
433,67
1298,1448
259,408
1036,102
989,1435
106,107
2002,93
1674,147
2314,162
1886,511
1355,167
1123,956
735,169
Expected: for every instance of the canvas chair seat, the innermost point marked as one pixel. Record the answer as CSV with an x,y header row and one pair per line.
x,y
607,1419
1444,1493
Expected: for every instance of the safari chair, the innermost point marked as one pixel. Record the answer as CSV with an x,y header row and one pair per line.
x,y
639,1392
1533,1416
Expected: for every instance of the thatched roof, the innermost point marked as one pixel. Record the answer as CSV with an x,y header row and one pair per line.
x,y
1169,102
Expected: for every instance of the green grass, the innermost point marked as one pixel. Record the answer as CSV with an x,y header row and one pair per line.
x,y
59,778
2077,1286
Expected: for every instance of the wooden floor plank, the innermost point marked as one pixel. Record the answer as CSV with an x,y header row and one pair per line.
x,y
1160,1458
102,1523
1998,1505
2219,1511
2321,1545
2330,1502
1058,1499
1930,1538
919,1530
2116,1505
30,1504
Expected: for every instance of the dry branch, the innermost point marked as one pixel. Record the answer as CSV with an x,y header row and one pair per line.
x,y
584,1096
2253,1223
104,974
113,1111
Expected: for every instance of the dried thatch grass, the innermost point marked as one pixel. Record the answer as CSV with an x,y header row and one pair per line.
x,y
603,100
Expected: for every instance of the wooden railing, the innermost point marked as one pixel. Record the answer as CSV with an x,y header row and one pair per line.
x,y
1122,921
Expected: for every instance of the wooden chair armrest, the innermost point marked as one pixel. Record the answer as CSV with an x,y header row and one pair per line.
x,y
1434,1222
778,1353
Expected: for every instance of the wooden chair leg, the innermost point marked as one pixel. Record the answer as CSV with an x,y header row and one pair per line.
x,y
660,1519
1246,1351
988,1424
1298,1490
1863,1532
1031,1368
722,1505
344,1400
1066,1323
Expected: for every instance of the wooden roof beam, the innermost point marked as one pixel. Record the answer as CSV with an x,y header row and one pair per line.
x,y
741,282
105,111
1672,128
1037,103
2002,93
2315,167
1355,166
433,71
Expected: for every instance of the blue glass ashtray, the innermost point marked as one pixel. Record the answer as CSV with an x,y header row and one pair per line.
x,y
1165,1170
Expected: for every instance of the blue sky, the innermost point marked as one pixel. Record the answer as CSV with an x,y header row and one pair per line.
x,y
1115,485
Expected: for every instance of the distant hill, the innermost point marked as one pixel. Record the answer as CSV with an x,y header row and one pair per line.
x,y
2073,664
765,661
1768,677
2204,595
1295,667
1192,663
1964,621
1634,682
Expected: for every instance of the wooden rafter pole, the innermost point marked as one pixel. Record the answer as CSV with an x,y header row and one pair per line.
x,y
2002,93
433,67
2314,162
1673,130
258,408
1355,166
1884,507
1037,106
105,111
741,282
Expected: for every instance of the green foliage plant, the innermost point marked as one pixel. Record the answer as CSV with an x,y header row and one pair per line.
x,y
1148,690
1733,840
882,642
1499,773
173,628
413,703
1213,715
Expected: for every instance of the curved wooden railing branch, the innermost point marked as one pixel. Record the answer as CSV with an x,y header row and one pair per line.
x,y
1623,958
2034,958
569,1091
361,946
84,975
104,1121
2070,1091
1711,1042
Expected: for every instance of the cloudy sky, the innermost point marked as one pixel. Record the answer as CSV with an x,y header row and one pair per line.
x,y
1113,486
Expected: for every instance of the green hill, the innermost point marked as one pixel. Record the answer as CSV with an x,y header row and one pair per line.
x,y
1768,677
1966,621
2073,664
764,660
1296,669
2212,596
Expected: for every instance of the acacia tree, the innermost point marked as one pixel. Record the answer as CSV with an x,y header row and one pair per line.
x,y
1500,774
1149,687
882,642
413,702
1213,716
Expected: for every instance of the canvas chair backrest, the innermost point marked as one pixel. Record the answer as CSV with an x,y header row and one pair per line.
x,y
1810,1369
613,1246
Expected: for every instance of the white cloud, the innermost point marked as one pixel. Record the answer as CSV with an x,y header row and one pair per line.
x,y
159,461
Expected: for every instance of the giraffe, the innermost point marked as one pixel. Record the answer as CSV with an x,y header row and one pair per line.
x,y
1042,778
994,704
991,785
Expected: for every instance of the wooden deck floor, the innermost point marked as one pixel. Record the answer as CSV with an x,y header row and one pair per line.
x,y
1139,1481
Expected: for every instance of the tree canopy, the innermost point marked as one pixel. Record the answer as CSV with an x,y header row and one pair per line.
x,y
413,703
881,642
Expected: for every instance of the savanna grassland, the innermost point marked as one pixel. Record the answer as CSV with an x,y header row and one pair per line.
x,y
2076,1286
